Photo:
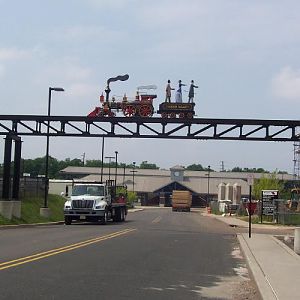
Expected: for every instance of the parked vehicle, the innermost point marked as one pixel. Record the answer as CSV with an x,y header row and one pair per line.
x,y
94,202
181,201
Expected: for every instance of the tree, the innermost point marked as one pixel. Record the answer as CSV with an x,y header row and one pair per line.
x,y
249,170
146,165
195,167
271,182
93,163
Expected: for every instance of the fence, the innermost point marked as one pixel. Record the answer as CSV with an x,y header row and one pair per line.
x,y
29,187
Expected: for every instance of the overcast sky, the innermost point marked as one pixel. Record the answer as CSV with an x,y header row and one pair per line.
x,y
244,55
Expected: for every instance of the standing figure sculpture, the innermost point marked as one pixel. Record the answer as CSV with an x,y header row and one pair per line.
x,y
192,92
179,92
168,92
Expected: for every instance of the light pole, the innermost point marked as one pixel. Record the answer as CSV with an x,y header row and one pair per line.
x,y
116,171
56,89
102,159
133,171
208,176
124,171
109,162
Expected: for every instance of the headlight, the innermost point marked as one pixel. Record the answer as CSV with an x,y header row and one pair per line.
x,y
67,207
100,206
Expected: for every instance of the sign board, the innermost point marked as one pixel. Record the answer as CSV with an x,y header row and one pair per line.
x,y
250,179
268,206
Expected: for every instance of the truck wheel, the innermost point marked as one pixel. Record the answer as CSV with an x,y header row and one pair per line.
x,y
68,220
123,214
118,214
104,219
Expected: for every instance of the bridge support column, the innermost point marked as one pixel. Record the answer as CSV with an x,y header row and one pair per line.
x,y
17,170
9,208
6,169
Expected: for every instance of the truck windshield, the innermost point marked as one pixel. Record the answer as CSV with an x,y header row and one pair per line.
x,y
92,190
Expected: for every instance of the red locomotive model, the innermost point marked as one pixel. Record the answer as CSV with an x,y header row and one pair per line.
x,y
141,106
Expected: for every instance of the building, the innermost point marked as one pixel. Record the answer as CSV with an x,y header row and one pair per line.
x,y
155,186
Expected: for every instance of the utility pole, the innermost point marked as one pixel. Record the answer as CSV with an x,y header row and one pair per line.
x,y
109,163
83,158
222,166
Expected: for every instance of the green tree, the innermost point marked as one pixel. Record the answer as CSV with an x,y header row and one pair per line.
x,y
146,165
94,163
195,167
269,182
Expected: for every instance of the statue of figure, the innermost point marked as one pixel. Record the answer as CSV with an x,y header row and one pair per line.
x,y
168,92
191,92
178,96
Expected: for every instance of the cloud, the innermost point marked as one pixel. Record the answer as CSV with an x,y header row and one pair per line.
x,y
2,71
66,70
116,4
286,84
13,54
82,90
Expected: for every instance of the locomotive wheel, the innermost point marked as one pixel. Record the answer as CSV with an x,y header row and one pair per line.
x,y
189,115
145,110
181,115
172,115
129,110
164,115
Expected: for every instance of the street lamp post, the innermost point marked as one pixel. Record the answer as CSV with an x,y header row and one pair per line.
x,y
116,171
109,162
208,176
133,171
56,89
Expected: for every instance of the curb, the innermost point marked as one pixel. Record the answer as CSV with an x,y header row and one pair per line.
x,y
30,225
259,276
49,223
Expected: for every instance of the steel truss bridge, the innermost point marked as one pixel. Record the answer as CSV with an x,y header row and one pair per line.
x,y
125,127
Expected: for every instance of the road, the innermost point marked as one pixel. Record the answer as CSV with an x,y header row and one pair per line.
x,y
155,254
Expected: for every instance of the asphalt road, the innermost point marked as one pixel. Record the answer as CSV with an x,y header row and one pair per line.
x,y
155,254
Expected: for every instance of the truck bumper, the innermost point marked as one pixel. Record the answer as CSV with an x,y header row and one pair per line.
x,y
81,214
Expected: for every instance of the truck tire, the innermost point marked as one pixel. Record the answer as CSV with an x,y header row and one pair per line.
x,y
104,219
68,220
123,214
118,214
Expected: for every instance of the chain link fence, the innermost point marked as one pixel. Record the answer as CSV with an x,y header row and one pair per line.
x,y
29,187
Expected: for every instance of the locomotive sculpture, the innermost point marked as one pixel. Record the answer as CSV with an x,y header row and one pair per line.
x,y
141,106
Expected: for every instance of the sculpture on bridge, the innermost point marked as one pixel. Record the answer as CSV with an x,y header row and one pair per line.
x,y
142,104
191,92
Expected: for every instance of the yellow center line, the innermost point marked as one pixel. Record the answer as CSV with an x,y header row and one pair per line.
x,y
30,258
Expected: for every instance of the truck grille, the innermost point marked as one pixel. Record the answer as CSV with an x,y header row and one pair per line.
x,y
82,204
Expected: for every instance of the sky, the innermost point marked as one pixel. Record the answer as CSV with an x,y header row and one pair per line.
x,y
243,55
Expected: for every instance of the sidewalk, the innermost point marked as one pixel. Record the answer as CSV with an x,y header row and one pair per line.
x,y
275,267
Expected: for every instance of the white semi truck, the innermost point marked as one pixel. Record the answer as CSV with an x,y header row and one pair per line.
x,y
94,202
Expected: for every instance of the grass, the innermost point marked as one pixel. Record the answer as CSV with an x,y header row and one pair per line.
x,y
30,211
268,220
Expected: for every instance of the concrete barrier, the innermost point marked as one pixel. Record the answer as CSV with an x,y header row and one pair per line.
x,y
6,209
16,212
297,240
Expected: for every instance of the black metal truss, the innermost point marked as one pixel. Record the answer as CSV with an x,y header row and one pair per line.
x,y
123,127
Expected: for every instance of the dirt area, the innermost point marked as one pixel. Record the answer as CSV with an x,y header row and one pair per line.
x,y
246,290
